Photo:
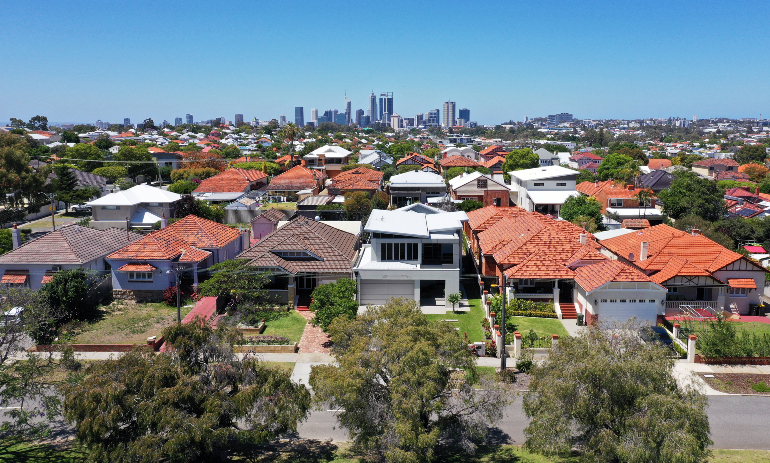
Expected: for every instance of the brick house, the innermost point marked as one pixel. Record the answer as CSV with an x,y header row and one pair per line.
x,y
359,179
296,179
479,187
709,167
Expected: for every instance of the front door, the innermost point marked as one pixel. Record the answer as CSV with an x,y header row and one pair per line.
x,y
306,282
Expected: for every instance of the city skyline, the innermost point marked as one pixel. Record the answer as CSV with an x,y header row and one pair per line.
x,y
597,60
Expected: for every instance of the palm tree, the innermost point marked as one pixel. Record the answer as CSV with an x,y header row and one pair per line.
x,y
643,196
290,132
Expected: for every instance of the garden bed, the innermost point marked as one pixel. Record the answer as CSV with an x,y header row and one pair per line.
x,y
262,349
738,383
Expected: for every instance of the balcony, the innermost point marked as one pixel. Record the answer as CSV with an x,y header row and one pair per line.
x,y
696,309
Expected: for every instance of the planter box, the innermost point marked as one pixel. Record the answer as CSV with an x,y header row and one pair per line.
x,y
87,347
733,360
283,349
252,330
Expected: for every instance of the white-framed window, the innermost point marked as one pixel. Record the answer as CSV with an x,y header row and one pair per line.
x,y
739,292
111,208
139,276
527,282
616,202
539,184
561,183
481,183
398,251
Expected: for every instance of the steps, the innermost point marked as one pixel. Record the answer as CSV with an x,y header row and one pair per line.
x,y
568,311
303,303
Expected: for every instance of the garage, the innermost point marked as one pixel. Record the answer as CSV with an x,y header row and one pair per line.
x,y
378,292
622,312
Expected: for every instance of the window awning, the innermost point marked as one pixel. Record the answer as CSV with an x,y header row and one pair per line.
x,y
134,267
14,277
742,283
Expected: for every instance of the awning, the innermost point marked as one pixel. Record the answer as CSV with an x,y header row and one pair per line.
x,y
14,277
134,267
48,277
742,283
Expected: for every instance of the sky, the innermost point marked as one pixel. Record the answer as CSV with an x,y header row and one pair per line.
x,y
78,61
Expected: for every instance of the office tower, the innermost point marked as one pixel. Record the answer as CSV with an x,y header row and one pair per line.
x,y
555,119
348,110
189,118
434,117
386,105
282,120
386,119
372,108
395,121
165,123
238,120
177,121
322,119
449,114
359,116
366,121
419,119
221,120
464,113
336,113
339,118
299,116
127,121
314,116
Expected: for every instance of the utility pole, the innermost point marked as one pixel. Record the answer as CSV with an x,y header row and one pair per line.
x,y
52,197
504,354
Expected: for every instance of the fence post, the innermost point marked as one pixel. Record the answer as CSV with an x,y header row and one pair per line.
x,y
555,341
691,348
500,343
676,330
516,344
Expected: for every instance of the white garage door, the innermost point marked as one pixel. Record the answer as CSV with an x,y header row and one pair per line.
x,y
623,312
377,292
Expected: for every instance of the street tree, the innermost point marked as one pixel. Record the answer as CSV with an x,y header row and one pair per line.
x,y
136,159
614,397
235,280
85,157
520,159
395,388
197,403
581,206
692,195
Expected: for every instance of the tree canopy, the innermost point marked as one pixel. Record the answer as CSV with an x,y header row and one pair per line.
x,y
137,160
692,195
334,300
618,166
581,206
520,159
755,154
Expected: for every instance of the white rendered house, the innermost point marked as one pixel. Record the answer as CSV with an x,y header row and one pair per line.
x,y
543,189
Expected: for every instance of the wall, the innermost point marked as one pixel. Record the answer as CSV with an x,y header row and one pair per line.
x,y
261,227
37,271
754,296
161,280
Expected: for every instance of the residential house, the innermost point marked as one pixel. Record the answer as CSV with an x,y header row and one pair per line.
x,y
457,161
143,269
84,179
359,179
415,252
374,158
635,224
543,189
301,255
32,264
479,187
415,159
465,151
415,187
492,151
658,164
316,206
329,158
617,201
657,181
581,160
709,167
701,276
592,167
267,222
230,185
166,159
296,179
742,202
547,158
732,175
141,207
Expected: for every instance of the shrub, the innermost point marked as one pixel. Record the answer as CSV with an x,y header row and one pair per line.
x,y
266,340
169,295
760,387
183,187
507,376
525,362
334,300
201,173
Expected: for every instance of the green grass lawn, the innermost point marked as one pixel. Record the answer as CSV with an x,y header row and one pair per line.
x,y
542,326
759,328
127,323
285,366
290,326
280,206
468,322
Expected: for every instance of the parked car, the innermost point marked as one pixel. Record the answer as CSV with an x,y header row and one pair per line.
x,y
81,208
12,316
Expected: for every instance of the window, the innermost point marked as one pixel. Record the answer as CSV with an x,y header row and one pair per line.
x,y
604,300
673,289
561,183
622,301
56,268
527,282
398,251
538,184
496,201
616,202
632,301
153,204
651,301
289,255
612,301
111,208
140,276
481,183
739,292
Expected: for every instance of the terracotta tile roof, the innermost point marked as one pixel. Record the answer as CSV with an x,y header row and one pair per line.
x,y
491,150
481,219
741,192
202,233
539,267
493,162
273,214
591,277
232,181
725,175
592,188
712,162
14,277
283,160
136,267
658,164
748,283
48,277
585,155
295,179
623,193
635,223
458,161
71,244
360,178
591,165
416,158
246,159
336,248
585,255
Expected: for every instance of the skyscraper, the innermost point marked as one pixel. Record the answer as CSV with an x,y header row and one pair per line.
x,y
334,118
238,120
299,116
348,110
449,114
434,117
314,116
386,105
177,121
464,114
395,121
372,108
359,116
282,120
419,119
189,119
127,121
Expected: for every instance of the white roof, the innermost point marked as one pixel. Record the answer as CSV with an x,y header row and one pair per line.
x,y
551,197
350,226
542,172
418,178
417,224
605,235
136,195
143,216
635,212
329,151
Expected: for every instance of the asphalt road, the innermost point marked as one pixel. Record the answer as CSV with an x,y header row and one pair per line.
x,y
737,422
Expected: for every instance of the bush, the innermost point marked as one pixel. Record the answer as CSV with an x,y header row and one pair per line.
x,y
270,168
507,376
334,300
470,205
201,173
266,340
182,187
525,362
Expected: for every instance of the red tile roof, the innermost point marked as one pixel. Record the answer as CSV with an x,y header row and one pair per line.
x,y
491,150
635,223
136,267
202,233
493,162
592,188
296,179
14,277
360,178
711,162
458,161
232,181
48,277
728,175
591,277
658,164
416,158
748,283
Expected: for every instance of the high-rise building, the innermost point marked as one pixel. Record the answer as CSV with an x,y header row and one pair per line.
x,y
366,121
449,114
348,110
372,108
314,116
386,105
555,119
127,122
359,116
335,113
386,119
177,121
339,118
282,120
299,116
434,117
189,118
419,119
238,120
165,123
464,113
395,121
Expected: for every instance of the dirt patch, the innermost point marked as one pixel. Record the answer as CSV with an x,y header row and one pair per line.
x,y
737,383
126,323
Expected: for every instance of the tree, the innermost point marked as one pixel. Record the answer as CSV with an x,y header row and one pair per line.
x,y
84,156
69,137
520,159
270,168
198,402
148,124
581,205
136,159
357,205
38,123
585,176
756,172
104,142
235,280
394,385
334,300
617,166
112,172
182,187
470,205
64,184
644,196
692,195
380,200
454,299
20,185
289,134
619,402
755,154
191,173
17,123
388,171
67,293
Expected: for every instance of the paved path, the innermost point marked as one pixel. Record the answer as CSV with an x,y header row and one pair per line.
x,y
571,327
313,340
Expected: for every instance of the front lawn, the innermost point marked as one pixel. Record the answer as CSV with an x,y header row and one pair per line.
x,y
291,325
127,323
468,322
542,326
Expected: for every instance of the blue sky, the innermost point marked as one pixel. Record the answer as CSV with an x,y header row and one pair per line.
x,y
81,61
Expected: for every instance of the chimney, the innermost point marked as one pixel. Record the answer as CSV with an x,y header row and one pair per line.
x,y
16,237
643,251
630,187
163,222
756,190
583,238
695,232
